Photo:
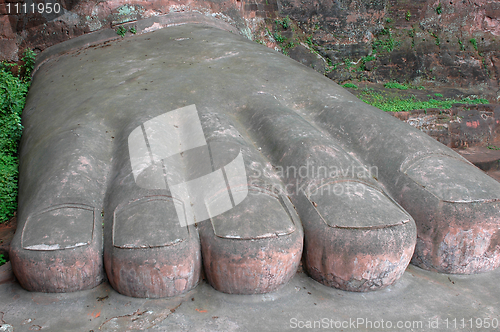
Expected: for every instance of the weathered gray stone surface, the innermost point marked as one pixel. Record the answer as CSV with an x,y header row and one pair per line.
x,y
303,140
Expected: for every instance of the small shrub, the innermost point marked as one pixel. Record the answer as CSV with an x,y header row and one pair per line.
x,y
474,43
350,85
121,31
279,38
436,38
387,45
133,30
396,85
407,15
2,260
439,9
462,46
438,95
366,59
284,22
29,62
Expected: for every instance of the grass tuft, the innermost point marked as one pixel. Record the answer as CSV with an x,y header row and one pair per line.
x,y
398,104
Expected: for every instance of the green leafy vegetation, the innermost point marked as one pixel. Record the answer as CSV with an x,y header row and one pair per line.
x,y
2,260
462,46
366,59
438,95
121,31
436,38
283,42
309,41
350,85
493,147
407,15
439,9
396,85
284,22
279,38
387,45
13,90
398,104
474,43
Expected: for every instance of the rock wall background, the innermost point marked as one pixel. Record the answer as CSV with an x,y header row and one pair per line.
x,y
453,42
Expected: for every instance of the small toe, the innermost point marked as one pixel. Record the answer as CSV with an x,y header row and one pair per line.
x,y
357,238
253,248
457,206
150,254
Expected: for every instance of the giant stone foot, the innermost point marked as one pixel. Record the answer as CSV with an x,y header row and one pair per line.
x,y
153,158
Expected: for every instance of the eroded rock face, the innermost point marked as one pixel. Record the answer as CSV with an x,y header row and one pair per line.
x,y
75,17
450,42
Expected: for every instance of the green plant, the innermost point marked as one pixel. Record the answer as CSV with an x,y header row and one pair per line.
x,y
2,260
411,34
133,30
13,90
29,62
367,58
474,43
493,147
284,22
350,85
309,41
439,9
437,41
462,46
385,31
279,38
397,104
396,85
387,44
364,60
121,31
407,15
438,95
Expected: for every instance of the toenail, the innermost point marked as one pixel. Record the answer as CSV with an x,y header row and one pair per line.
x,y
62,226
148,222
